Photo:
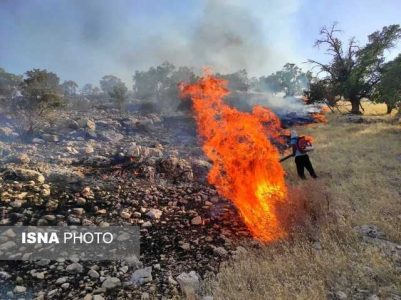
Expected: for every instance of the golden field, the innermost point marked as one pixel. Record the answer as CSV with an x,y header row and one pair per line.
x,y
359,169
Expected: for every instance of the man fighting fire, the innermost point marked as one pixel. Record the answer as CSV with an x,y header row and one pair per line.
x,y
300,148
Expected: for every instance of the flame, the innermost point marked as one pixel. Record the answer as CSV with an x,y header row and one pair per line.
x,y
319,117
246,168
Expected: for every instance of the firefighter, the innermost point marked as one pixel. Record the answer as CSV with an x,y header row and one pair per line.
x,y
300,152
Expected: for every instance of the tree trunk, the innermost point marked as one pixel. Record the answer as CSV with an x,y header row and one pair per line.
x,y
355,103
389,109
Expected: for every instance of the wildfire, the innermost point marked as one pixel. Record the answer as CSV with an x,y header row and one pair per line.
x,y
246,168
319,117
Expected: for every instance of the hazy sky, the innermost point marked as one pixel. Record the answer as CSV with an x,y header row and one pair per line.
x,y
83,40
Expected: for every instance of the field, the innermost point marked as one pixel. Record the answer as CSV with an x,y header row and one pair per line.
x,y
336,255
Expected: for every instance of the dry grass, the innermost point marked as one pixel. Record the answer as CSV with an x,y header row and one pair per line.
x,y
359,166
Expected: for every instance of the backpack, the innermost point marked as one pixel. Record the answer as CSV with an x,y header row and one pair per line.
x,y
304,145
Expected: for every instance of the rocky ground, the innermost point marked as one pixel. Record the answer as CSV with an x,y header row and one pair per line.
x,y
102,168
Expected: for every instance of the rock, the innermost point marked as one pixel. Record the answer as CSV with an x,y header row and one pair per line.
x,y
176,168
93,274
87,124
19,289
125,215
80,201
341,295
111,136
142,276
75,268
370,231
220,251
52,293
50,137
19,158
23,174
88,149
98,297
189,283
9,233
4,275
16,204
154,213
71,124
133,262
145,296
65,286
196,221
6,132
88,297
185,246
317,246
7,245
146,224
61,280
97,161
65,176
37,141
111,283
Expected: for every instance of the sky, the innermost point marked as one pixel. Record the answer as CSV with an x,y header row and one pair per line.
x,y
83,40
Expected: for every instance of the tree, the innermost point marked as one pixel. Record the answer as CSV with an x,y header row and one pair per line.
x,y
151,84
9,83
290,80
40,95
237,81
87,89
69,88
354,71
161,84
388,90
108,82
320,90
119,94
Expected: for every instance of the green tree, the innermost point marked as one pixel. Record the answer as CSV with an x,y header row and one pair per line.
x,y
108,82
151,84
9,83
354,71
119,94
41,94
290,80
388,90
320,90
69,88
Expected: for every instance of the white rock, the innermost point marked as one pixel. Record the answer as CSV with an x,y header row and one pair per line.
x,y
111,283
19,289
142,276
189,283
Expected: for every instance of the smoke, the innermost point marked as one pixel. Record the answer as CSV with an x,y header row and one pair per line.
x,y
278,103
228,36
99,37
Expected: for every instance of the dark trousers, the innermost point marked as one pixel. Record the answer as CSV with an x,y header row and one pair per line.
x,y
303,162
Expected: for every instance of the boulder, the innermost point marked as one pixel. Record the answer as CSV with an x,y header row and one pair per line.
x,y
189,283
23,174
142,276
111,283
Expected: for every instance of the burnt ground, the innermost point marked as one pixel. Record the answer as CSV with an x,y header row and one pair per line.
x,y
103,168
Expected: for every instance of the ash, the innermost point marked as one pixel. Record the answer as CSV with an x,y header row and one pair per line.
x,y
106,168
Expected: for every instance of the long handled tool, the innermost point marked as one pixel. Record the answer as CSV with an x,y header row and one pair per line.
x,y
286,157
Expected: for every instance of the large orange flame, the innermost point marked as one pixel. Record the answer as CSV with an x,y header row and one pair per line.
x,y
246,168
